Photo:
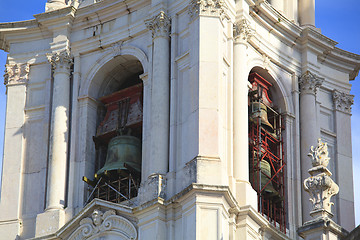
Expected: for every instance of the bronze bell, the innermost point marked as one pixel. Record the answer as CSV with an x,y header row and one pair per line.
x,y
123,152
262,113
265,170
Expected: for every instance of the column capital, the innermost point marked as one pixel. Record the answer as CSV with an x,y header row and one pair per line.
x,y
61,60
342,101
16,74
159,25
206,8
309,83
242,31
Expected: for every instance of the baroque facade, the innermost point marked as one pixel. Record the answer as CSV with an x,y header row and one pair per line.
x,y
207,78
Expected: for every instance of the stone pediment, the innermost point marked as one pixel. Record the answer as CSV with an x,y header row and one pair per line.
x,y
101,220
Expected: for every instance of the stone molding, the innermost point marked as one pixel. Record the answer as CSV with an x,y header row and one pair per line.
x,y
100,222
242,31
309,83
206,8
343,101
159,25
320,186
61,60
16,74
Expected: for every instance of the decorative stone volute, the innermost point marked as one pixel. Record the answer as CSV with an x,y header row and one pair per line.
x,y
206,8
320,186
104,223
60,61
242,31
309,83
16,74
343,101
159,25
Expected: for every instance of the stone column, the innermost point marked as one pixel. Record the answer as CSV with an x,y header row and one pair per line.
x,y
309,133
157,165
345,199
54,216
160,27
61,63
307,12
16,78
244,192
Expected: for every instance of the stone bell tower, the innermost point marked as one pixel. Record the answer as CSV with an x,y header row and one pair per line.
x,y
161,119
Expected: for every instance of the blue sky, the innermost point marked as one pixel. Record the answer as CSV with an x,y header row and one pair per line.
x,y
339,20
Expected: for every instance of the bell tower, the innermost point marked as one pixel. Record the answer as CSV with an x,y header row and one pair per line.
x,y
187,119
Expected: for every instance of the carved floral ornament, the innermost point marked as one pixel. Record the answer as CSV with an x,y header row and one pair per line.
x,y
343,101
207,8
60,60
319,185
16,74
104,223
309,83
242,31
159,25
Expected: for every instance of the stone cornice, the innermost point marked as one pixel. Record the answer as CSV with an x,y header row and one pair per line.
x,y
242,31
207,8
309,83
343,101
159,25
60,60
16,74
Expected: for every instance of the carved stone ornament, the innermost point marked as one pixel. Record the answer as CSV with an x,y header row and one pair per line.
x,y
309,83
320,154
320,186
60,60
159,25
52,5
16,74
343,101
116,48
207,8
242,31
104,223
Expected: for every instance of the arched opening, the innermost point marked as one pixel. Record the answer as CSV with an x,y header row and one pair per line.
x,y
119,130
266,146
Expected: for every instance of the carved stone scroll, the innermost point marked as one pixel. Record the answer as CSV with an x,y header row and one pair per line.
x,y
242,31
16,74
102,223
60,60
309,83
343,101
159,25
207,8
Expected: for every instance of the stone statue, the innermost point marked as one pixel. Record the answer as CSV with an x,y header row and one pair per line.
x,y
52,5
320,186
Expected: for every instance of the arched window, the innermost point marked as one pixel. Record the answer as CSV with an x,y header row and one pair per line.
x,y
266,151
118,138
